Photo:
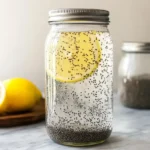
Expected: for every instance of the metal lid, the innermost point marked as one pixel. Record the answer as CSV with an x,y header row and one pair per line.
x,y
136,47
79,15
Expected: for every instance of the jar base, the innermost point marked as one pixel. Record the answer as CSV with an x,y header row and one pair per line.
x,y
70,137
82,144
132,106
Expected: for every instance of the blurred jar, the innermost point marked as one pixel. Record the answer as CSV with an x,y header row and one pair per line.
x,y
134,75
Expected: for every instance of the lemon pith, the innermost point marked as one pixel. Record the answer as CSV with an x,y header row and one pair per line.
x,y
75,56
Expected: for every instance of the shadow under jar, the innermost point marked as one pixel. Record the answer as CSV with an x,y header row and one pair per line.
x,y
79,76
134,75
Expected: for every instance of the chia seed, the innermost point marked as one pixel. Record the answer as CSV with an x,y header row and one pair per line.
x,y
62,135
81,112
135,92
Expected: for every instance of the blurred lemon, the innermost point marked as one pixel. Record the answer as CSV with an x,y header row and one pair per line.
x,y
17,95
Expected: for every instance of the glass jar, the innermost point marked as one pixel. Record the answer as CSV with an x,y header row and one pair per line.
x,y
134,75
79,75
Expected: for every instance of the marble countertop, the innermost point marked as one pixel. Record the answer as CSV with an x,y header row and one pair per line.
x,y
131,131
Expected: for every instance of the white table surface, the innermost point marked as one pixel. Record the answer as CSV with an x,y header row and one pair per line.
x,y
131,132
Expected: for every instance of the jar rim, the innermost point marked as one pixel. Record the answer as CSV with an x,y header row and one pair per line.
x,y
79,16
136,47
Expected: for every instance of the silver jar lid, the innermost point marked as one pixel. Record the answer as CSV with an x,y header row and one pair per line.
x,y
80,15
136,47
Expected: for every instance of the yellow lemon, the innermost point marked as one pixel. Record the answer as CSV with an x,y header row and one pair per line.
x,y
74,56
20,95
2,98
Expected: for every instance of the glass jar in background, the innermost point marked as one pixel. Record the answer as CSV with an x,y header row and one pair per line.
x,y
134,75
79,76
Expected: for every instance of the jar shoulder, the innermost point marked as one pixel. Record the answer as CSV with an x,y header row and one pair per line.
x,y
78,28
133,64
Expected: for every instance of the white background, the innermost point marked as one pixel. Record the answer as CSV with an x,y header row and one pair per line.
x,y
23,29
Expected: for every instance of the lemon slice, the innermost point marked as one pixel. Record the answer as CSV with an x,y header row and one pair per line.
x,y
74,57
2,98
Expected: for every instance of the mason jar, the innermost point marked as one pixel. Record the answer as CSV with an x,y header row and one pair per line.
x,y
79,77
134,75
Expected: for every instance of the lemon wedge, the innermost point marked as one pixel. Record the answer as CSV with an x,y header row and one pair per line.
x,y
75,56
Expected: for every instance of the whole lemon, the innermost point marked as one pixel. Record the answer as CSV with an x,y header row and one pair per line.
x,y
21,95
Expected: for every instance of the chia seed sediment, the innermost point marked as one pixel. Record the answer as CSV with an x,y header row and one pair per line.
x,y
62,135
135,92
